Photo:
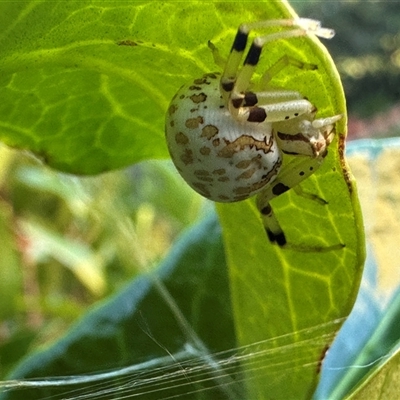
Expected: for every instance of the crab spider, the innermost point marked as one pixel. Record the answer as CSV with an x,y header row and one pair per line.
x,y
227,141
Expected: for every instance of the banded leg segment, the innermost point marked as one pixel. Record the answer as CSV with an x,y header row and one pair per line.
x,y
289,177
311,148
231,81
275,112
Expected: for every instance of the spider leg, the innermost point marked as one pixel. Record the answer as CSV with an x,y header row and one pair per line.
x,y
289,177
270,106
307,195
273,96
281,64
252,108
311,146
230,77
218,59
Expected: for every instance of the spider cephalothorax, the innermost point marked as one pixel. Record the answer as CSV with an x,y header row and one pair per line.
x,y
227,141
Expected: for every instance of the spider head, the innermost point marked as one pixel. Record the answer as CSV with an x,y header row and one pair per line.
x,y
306,135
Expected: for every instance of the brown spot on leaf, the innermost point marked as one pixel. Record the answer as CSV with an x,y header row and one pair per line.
x,y
220,171
127,43
321,358
345,168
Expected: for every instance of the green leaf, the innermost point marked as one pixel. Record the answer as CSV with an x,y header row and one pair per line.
x,y
86,84
78,257
383,382
139,325
279,292
378,360
11,282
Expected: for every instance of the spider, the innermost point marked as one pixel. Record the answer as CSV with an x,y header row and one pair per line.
x,y
227,141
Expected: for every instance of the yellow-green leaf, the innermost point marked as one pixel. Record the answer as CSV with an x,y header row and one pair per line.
x,y
287,293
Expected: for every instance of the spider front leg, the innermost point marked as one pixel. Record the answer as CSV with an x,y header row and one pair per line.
x,y
310,144
233,83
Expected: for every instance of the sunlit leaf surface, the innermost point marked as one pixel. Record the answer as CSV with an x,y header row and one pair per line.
x,y
280,291
85,85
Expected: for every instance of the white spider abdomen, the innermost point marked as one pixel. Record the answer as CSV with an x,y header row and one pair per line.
x,y
219,157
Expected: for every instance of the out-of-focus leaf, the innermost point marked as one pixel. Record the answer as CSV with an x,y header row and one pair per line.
x,y
138,325
383,383
78,257
376,164
364,319
378,359
10,273
363,352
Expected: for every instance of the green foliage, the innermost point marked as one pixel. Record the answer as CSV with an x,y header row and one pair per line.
x,y
85,85
383,382
380,358
127,328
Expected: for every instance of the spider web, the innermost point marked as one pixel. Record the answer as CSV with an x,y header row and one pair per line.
x,y
188,368
190,371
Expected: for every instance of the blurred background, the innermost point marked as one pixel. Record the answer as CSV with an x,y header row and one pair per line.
x,y
366,50
68,242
